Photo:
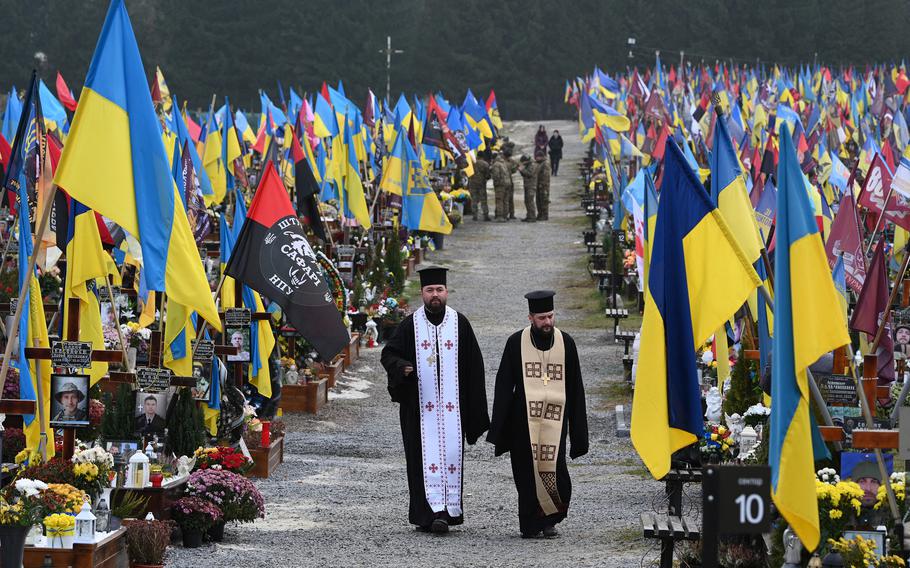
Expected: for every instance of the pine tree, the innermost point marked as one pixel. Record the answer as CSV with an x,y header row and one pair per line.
x,y
742,393
185,426
393,264
118,422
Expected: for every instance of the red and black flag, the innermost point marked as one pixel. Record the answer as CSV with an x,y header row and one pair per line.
x,y
307,188
273,257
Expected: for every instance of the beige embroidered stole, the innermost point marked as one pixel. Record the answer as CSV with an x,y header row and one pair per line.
x,y
545,391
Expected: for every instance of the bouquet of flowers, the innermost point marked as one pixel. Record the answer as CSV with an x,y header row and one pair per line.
x,y
56,470
223,458
838,503
133,335
898,485
756,414
860,551
92,468
235,495
717,444
28,501
71,497
59,525
195,513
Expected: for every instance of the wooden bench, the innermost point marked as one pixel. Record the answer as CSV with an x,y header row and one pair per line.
x,y
669,527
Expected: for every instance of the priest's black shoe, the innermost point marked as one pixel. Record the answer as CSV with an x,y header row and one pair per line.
x,y
530,535
550,532
439,526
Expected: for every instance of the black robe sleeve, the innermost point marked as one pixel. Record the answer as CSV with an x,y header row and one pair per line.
x,y
475,418
504,396
397,354
575,395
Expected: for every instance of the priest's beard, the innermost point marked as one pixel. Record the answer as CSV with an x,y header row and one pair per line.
x,y
543,331
435,305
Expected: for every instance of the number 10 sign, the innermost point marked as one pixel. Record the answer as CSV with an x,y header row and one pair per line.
x,y
742,495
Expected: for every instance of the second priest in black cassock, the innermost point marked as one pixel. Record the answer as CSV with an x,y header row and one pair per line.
x,y
540,401
436,375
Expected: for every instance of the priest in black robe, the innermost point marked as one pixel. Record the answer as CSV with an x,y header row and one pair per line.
x,y
539,467
400,358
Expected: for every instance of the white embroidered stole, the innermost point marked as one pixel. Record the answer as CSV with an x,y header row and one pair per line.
x,y
441,438
545,392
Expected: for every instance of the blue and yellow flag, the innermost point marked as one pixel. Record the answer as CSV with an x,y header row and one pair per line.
x,y
355,201
699,276
728,192
32,333
115,163
805,328
420,206
86,266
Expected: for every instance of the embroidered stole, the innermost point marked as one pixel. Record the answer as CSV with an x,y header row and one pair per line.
x,y
441,439
545,391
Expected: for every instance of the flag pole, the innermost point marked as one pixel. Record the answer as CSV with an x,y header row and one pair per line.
x,y
205,322
42,440
880,217
33,259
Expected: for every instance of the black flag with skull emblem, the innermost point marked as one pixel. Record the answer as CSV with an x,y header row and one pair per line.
x,y
273,257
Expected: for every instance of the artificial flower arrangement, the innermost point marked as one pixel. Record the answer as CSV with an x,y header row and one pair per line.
x,y
195,513
235,495
59,526
717,444
757,414
839,502
133,335
222,458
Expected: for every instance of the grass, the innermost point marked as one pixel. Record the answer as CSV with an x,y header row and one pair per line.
x,y
626,535
611,393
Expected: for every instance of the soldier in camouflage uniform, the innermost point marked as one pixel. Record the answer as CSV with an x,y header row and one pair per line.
x,y
528,170
477,185
510,191
502,183
543,185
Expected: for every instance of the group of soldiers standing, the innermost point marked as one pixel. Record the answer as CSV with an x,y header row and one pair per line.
x,y
500,166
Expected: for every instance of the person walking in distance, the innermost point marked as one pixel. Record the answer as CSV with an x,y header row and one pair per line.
x,y
555,146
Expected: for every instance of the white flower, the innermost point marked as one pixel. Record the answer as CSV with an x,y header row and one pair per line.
x,y
145,333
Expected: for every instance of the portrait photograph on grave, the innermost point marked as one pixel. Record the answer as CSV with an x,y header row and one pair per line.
x,y
121,449
151,409
202,372
902,340
238,337
69,400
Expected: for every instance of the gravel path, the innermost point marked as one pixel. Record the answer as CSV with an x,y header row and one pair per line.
x,y
340,499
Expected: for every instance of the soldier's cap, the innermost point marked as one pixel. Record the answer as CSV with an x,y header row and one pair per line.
x,y
539,154
524,158
866,468
540,301
69,387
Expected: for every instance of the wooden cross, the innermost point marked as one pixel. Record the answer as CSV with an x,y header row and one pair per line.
x,y
101,355
254,317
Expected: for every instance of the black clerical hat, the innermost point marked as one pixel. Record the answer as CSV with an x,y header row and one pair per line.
x,y
540,301
433,276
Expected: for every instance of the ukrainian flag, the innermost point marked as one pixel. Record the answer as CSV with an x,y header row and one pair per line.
x,y
33,333
230,145
699,276
420,207
86,263
394,172
115,163
355,200
805,328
